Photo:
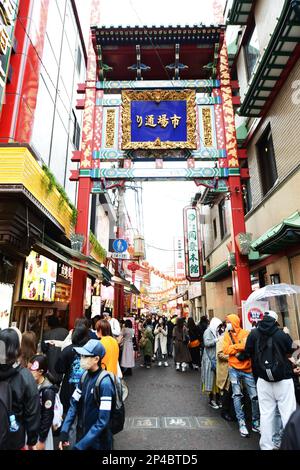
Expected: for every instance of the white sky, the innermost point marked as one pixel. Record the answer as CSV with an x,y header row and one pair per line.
x,y
163,201
156,12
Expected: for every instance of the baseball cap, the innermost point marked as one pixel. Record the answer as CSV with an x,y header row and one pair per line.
x,y
92,348
272,314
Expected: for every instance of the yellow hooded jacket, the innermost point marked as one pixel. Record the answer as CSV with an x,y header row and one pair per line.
x,y
231,349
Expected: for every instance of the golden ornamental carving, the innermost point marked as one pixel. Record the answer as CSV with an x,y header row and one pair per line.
x,y
159,95
110,128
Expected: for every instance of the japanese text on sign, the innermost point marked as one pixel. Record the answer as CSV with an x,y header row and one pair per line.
x,y
162,121
193,260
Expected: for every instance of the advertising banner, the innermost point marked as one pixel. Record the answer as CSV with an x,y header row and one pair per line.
x,y
192,245
253,313
6,295
39,278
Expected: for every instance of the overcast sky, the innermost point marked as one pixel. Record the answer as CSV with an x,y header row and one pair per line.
x,y
163,202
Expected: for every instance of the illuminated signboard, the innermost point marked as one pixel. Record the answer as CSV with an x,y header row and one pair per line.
x,y
39,278
192,245
6,296
158,119
8,15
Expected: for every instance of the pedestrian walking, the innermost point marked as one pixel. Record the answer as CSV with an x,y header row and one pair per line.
x,y
194,343
203,324
240,372
24,412
222,378
127,361
93,415
160,343
56,333
269,347
68,363
209,363
146,346
28,347
38,366
111,358
181,340
170,345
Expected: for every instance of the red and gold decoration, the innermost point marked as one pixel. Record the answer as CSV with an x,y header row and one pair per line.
x,y
160,274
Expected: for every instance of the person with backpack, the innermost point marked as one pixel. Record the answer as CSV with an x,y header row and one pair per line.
x,y
111,359
38,366
269,348
93,402
240,372
19,397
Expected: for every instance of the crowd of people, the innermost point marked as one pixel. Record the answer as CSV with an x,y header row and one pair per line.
x,y
67,386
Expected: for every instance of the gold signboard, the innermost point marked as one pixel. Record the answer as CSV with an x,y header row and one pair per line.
x,y
159,119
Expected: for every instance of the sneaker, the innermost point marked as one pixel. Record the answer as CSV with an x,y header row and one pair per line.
x,y
184,367
213,405
243,429
148,367
256,426
159,364
142,365
166,364
177,366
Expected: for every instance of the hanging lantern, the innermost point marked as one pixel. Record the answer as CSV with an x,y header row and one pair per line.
x,y
139,247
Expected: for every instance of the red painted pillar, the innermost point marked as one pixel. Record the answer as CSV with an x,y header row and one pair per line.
x,y
90,142
241,274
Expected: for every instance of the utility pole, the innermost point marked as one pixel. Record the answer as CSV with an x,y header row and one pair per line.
x,y
119,289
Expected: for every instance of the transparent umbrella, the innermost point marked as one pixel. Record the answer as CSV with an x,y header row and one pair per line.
x,y
284,299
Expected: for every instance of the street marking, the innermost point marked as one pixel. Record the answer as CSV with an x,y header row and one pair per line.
x,y
166,422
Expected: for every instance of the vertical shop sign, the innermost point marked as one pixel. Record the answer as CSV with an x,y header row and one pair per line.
x,y
192,245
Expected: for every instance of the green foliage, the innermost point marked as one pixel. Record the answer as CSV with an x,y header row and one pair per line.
x,y
99,250
50,182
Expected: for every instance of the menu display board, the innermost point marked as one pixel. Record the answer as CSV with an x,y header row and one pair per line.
x,y
39,278
6,295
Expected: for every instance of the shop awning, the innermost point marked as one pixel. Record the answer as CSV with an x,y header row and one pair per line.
x,y
279,237
219,272
132,289
76,260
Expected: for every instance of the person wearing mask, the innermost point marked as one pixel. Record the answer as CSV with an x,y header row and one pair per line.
x,y
56,333
170,326
68,363
146,345
111,358
181,339
194,343
28,347
222,378
94,418
38,366
203,324
25,411
208,366
160,342
269,347
240,372
127,361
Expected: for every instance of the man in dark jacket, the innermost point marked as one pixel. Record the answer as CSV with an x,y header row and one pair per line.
x,y
94,418
269,347
291,435
56,333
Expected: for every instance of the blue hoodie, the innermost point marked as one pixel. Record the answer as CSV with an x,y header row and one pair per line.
x,y
94,419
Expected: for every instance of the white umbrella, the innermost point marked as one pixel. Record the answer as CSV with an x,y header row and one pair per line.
x,y
274,290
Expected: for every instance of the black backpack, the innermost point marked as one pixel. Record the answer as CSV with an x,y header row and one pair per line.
x,y
117,419
270,359
5,412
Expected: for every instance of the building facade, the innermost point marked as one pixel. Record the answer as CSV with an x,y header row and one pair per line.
x,y
264,53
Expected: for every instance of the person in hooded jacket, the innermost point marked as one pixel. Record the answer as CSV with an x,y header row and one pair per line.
x,y
25,395
240,372
38,366
274,387
208,366
291,435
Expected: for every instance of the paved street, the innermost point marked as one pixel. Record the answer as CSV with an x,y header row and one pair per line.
x,y
165,410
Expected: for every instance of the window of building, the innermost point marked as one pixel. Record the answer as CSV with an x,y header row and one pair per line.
x,y
247,197
222,216
76,132
266,160
252,52
79,60
215,229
